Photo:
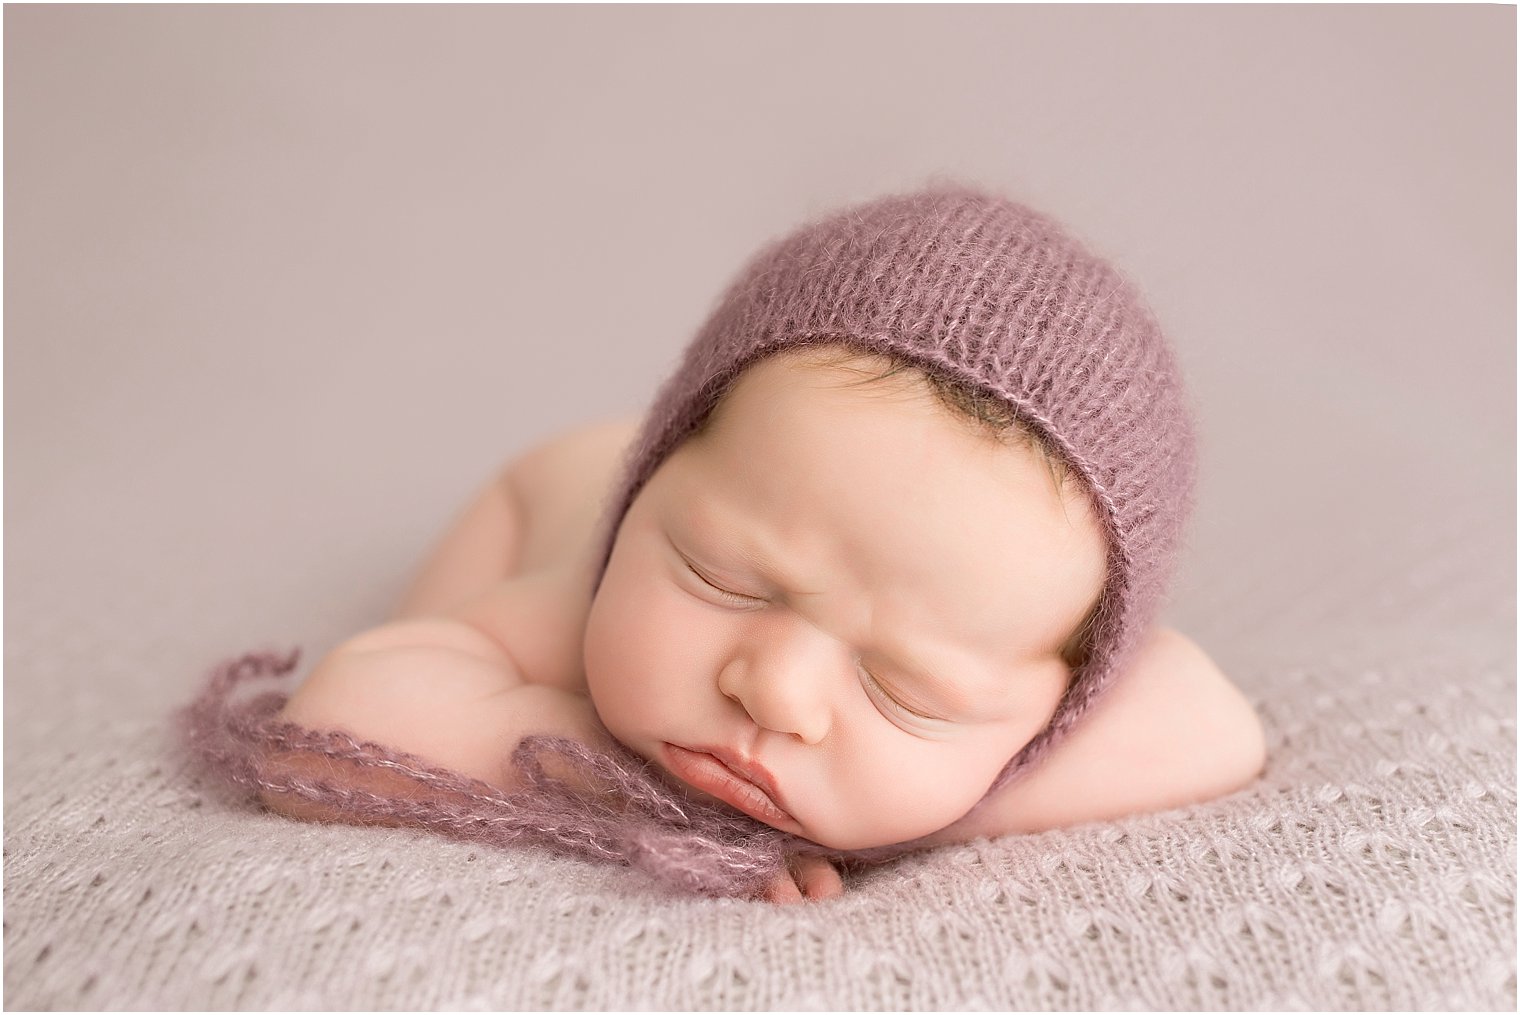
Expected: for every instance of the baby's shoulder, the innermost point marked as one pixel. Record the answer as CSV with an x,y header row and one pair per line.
x,y
571,454
561,485
539,620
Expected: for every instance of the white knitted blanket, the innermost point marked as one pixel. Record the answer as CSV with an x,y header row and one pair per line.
x,y
1371,869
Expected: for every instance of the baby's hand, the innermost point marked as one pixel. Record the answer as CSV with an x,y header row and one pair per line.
x,y
807,877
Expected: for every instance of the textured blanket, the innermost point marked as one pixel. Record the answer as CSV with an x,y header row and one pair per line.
x,y
1372,868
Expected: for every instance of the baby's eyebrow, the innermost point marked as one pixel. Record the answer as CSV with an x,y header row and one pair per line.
x,y
696,520
769,571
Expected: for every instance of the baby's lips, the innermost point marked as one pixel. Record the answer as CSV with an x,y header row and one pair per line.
x,y
706,771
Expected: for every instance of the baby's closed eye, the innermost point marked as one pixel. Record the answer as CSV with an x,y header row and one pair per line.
x,y
896,704
736,597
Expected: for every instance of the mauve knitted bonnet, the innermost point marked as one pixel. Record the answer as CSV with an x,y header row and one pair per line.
x,y
998,298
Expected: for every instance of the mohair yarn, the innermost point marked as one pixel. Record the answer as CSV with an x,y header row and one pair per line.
x,y
957,281
997,297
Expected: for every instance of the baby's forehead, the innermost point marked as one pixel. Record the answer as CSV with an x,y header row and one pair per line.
x,y
790,400
895,492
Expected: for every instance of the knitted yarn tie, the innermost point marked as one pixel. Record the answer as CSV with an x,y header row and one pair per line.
x,y
633,818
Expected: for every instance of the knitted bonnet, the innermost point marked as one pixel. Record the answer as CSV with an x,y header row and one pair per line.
x,y
998,298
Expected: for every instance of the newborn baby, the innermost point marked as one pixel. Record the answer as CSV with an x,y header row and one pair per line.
x,y
880,566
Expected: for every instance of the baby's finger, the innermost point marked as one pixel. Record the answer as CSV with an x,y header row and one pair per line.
x,y
818,878
783,890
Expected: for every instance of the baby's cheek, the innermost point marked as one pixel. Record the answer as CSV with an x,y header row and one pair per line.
x,y
631,662
934,794
890,789
610,651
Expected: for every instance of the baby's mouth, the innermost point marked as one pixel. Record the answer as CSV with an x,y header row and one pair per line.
x,y
725,780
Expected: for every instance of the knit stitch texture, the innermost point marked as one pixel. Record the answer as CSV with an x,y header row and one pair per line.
x,y
1373,868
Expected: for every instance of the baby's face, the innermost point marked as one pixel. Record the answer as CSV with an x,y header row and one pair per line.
x,y
849,593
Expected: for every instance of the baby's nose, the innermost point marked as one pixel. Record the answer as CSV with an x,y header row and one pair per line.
x,y
788,688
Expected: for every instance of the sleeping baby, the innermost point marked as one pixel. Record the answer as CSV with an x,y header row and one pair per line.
x,y
879,570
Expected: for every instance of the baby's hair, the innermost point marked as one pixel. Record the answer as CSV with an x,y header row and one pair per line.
x,y
886,372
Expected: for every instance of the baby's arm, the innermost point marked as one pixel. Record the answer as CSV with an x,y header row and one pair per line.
x,y
443,690
435,687
1171,731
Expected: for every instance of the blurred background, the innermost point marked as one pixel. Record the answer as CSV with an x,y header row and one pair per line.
x,y
284,284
